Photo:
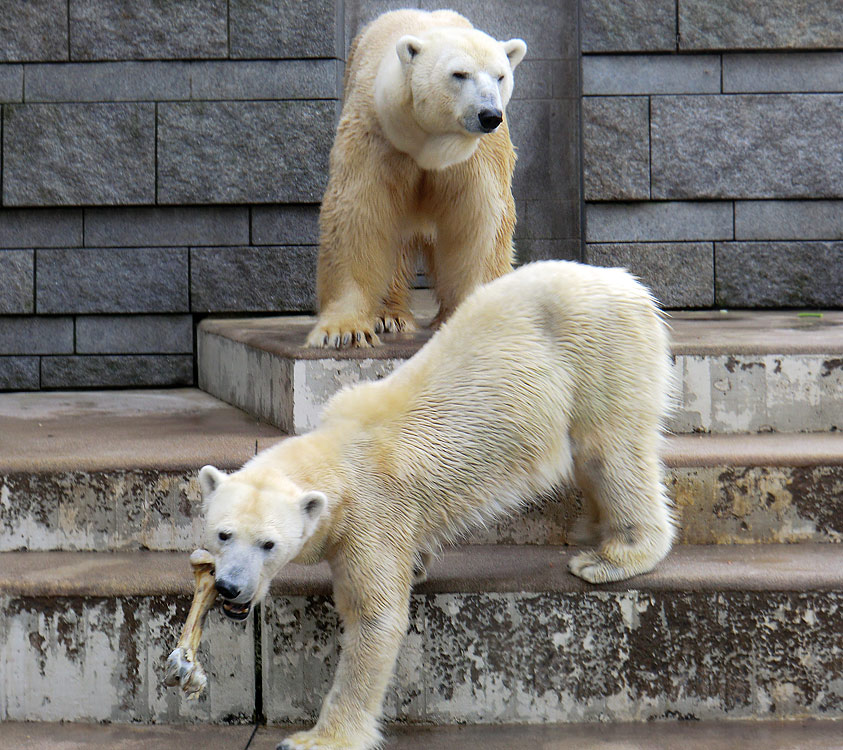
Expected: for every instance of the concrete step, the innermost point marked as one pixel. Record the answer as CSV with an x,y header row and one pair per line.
x,y
116,470
499,634
772,735
737,371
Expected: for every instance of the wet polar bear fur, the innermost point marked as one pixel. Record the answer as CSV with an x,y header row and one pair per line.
x,y
421,165
556,372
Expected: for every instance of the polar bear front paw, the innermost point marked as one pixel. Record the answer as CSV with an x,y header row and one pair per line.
x,y
392,322
313,740
342,335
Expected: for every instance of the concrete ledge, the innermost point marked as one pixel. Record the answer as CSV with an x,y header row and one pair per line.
x,y
474,569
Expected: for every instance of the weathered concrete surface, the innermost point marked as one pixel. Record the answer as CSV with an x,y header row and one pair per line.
x,y
168,430
736,371
682,735
103,658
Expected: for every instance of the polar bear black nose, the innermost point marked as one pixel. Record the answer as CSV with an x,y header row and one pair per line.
x,y
226,589
490,119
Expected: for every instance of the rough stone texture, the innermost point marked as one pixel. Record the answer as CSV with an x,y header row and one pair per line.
x,y
616,148
41,227
102,659
606,656
752,393
147,334
19,374
139,280
72,154
29,335
628,25
11,83
656,222
17,269
776,274
285,28
101,511
168,227
789,220
285,225
678,274
650,74
227,152
785,72
253,278
123,371
776,24
131,30
33,30
266,79
108,82
774,146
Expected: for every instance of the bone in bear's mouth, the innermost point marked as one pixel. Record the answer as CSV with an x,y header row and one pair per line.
x,y
236,611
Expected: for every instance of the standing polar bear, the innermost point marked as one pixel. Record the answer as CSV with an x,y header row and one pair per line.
x,y
555,372
422,165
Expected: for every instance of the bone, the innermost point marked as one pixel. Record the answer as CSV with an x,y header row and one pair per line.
x,y
183,668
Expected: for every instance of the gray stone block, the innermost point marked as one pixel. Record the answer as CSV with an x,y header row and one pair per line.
x,y
680,274
529,250
535,79
40,227
779,274
745,146
11,83
774,24
33,30
549,219
36,335
134,334
548,26
783,72
132,30
789,220
651,74
659,222
266,79
97,280
167,226
285,225
244,152
78,154
616,148
252,279
122,371
628,25
107,82
286,28
17,277
19,374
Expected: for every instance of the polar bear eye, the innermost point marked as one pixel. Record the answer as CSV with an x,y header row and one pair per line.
x,y
460,76
224,536
500,79
268,545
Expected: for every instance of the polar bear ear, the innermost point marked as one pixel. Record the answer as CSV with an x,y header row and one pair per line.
x,y
408,47
209,479
312,505
515,50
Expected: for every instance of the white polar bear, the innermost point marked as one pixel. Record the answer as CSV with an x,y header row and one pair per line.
x,y
555,372
421,165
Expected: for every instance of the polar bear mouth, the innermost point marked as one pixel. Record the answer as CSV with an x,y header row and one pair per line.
x,y
236,611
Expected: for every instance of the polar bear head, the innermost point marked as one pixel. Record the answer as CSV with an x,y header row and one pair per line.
x,y
442,90
253,530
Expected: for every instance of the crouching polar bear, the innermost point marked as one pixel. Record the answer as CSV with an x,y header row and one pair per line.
x,y
555,372
421,165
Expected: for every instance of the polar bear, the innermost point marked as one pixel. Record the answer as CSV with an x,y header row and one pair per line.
x,y
422,164
555,372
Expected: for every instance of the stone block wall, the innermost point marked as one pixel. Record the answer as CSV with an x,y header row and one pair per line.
x,y
713,148
160,161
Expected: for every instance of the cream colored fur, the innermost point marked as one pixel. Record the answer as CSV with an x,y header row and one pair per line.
x,y
412,174
557,372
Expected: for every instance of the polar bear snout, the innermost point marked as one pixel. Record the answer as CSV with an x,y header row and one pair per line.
x,y
227,589
490,119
